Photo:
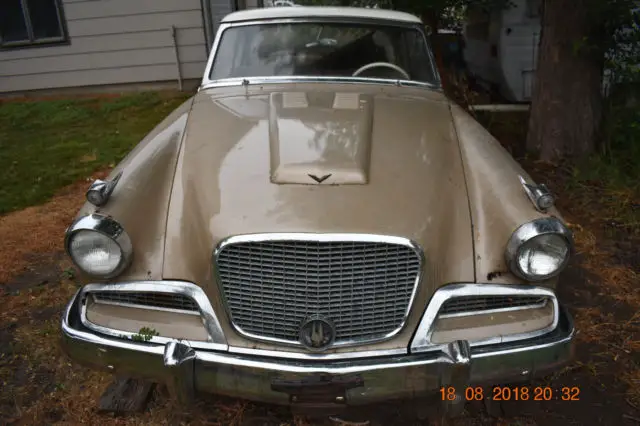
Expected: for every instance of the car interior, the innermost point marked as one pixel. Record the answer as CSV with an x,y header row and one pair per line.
x,y
325,50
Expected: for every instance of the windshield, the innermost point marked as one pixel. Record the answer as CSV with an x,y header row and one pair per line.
x,y
323,49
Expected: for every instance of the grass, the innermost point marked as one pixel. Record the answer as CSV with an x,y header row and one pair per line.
x,y
46,145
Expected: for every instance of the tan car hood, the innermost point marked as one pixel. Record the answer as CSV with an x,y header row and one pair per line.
x,y
394,162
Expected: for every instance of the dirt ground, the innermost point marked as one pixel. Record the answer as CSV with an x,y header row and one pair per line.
x,y
41,386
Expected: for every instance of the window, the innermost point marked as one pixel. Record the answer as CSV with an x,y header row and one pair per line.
x,y
30,22
330,49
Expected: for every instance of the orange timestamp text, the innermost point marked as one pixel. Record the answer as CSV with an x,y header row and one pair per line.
x,y
512,393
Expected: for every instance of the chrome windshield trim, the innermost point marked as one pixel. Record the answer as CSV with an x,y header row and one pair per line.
x,y
321,19
292,79
421,340
209,83
322,237
217,340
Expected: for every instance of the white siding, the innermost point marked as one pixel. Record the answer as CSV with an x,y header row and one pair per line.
x,y
478,47
113,42
518,51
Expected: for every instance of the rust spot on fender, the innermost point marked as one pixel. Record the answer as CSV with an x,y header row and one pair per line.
x,y
495,274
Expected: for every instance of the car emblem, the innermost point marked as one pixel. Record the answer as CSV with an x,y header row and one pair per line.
x,y
320,179
317,333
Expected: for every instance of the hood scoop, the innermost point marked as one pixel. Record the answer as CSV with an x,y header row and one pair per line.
x,y
320,138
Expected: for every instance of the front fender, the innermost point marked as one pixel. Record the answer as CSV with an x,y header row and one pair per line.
x,y
141,198
497,200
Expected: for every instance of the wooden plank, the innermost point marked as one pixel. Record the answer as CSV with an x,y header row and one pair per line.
x,y
97,61
111,42
117,75
102,9
126,395
133,23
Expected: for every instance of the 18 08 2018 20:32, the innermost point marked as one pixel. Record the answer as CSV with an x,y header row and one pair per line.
x,y
512,393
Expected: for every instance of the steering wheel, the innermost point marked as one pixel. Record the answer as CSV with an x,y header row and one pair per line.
x,y
381,65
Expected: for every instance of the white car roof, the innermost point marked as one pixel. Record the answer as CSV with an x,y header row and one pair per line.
x,y
284,12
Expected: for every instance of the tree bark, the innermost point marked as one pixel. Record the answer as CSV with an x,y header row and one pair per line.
x,y
566,107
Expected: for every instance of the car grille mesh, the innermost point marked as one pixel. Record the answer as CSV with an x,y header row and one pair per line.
x,y
147,299
475,304
365,288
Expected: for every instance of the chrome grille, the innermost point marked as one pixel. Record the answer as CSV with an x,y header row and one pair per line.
x,y
465,305
364,287
147,299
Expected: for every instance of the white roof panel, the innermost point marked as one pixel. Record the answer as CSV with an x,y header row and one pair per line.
x,y
284,12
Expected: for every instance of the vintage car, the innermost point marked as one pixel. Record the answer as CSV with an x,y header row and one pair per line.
x,y
319,226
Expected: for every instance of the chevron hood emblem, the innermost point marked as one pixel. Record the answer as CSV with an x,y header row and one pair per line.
x,y
321,178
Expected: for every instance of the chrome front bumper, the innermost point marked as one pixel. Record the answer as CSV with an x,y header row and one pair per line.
x,y
285,381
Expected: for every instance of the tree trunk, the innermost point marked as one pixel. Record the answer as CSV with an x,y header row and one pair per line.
x,y
567,100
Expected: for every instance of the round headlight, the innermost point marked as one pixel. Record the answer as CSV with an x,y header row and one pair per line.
x,y
98,246
539,250
95,253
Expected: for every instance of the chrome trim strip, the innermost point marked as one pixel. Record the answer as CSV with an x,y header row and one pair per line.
x,y
530,230
208,83
98,301
95,339
322,237
106,226
316,356
421,341
337,368
496,311
217,341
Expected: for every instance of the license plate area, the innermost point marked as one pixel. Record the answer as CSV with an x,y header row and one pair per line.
x,y
320,393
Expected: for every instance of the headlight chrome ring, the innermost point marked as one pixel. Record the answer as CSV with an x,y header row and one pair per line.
x,y
549,232
100,234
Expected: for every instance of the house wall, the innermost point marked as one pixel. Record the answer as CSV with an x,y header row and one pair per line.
x,y
518,44
482,32
518,52
114,42
505,56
